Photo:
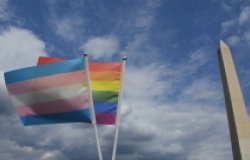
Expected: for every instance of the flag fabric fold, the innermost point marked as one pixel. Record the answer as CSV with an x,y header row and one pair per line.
x,y
105,87
51,93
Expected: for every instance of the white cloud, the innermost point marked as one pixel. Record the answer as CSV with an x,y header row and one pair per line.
x,y
5,13
8,147
198,57
208,149
19,48
247,36
101,47
143,21
202,90
228,25
179,127
232,27
145,15
244,15
69,27
133,46
235,23
225,6
135,86
52,155
233,40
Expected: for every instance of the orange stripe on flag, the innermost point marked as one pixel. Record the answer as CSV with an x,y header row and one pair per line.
x,y
105,76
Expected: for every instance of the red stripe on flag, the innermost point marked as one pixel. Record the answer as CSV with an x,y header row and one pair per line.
x,y
45,60
104,67
93,66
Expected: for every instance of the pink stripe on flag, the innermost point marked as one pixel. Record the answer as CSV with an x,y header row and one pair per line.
x,y
105,118
65,105
47,82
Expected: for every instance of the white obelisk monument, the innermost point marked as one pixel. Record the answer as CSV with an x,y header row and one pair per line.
x,y
238,119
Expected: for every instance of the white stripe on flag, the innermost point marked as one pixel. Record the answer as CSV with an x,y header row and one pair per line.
x,y
51,94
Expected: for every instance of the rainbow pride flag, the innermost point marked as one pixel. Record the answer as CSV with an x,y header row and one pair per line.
x,y
51,93
105,86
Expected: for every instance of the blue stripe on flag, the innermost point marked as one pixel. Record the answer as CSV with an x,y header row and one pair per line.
x,y
105,107
43,70
72,116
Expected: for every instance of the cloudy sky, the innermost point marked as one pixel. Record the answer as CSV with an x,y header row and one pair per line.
x,y
173,101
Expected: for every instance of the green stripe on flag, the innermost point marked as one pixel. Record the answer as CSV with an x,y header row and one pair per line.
x,y
105,96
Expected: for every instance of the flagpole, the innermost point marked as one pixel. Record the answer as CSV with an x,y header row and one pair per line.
x,y
118,114
85,55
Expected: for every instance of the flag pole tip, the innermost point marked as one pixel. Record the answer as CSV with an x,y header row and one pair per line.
x,y
124,58
85,54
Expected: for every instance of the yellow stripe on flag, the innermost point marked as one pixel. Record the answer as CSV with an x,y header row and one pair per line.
x,y
113,86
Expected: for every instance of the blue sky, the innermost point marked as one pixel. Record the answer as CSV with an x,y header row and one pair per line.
x,y
173,101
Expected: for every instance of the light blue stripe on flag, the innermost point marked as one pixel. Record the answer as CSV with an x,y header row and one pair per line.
x,y
43,70
82,115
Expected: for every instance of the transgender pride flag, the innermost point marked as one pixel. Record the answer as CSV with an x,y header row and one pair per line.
x,y
51,93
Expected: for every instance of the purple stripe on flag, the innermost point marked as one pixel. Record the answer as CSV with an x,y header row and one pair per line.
x,y
105,118
58,106
47,82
